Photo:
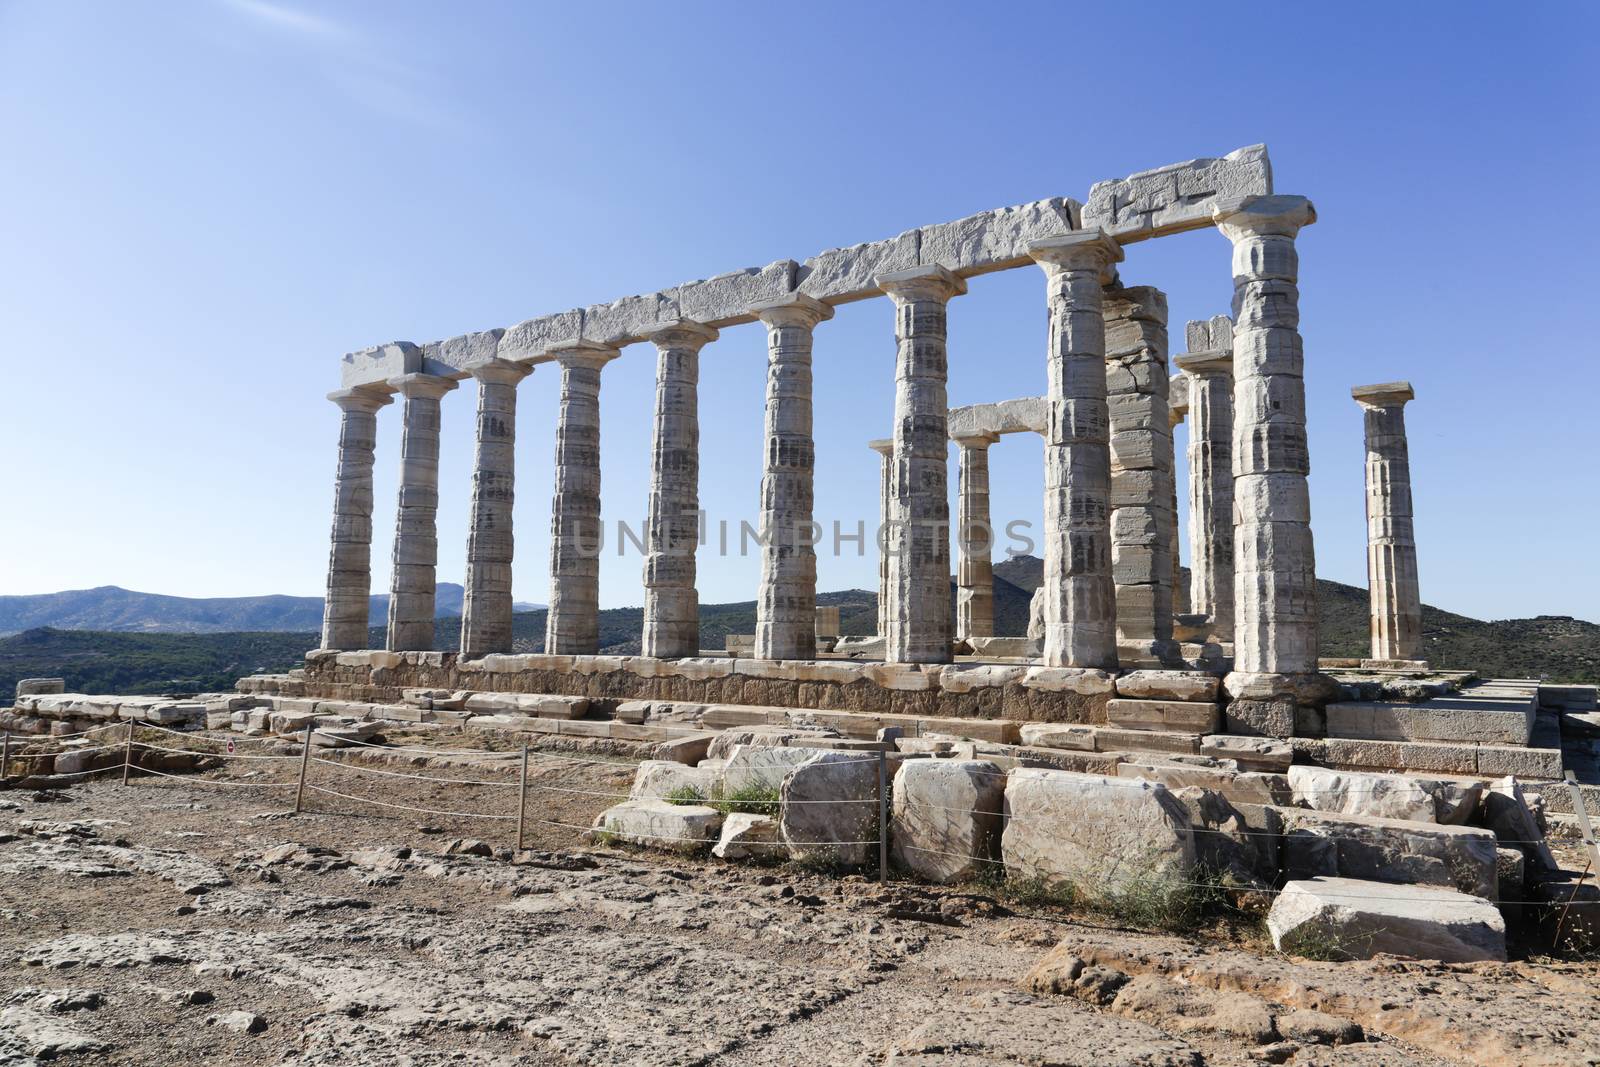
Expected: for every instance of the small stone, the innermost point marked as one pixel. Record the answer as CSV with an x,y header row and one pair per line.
x,y
468,846
242,1022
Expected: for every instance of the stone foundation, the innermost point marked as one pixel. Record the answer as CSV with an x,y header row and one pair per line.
x,y
1037,694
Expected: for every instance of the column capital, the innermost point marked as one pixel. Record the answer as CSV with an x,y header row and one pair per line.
x,y
1088,250
366,399
796,309
1209,364
1262,216
679,333
425,386
883,446
499,371
921,283
975,440
1383,395
584,353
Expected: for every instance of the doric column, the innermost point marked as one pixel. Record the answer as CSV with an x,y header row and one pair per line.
x,y
1211,546
975,540
1143,527
416,533
786,608
919,520
1391,543
672,530
1275,595
1080,601
486,604
572,627
884,447
345,611
1177,411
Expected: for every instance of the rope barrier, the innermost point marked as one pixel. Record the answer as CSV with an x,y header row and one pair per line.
x,y
214,781
406,807
209,755
416,777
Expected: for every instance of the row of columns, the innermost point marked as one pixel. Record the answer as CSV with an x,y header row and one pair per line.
x,y
1274,580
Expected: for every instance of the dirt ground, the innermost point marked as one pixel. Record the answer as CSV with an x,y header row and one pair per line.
x,y
197,919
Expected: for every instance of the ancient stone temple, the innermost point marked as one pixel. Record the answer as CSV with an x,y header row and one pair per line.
x,y
1101,411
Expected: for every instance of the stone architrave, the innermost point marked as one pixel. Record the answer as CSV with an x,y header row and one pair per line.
x,y
1275,596
345,611
1391,542
1080,605
786,604
416,536
884,447
919,620
1209,370
672,530
1143,526
486,602
1177,411
572,627
975,540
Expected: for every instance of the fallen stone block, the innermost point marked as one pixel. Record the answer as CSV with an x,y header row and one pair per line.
x,y
1385,796
746,836
1387,850
1354,919
829,811
38,686
1058,735
1089,830
656,779
1507,814
762,735
658,824
1248,788
685,748
947,816
537,705
759,767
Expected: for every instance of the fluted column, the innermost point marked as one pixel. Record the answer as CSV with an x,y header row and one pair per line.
x,y
345,611
416,534
1143,526
975,540
786,607
884,447
1391,542
919,520
486,603
1275,595
1211,544
672,530
1177,411
1080,606
572,626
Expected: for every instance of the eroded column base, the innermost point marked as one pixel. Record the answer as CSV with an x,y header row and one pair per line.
x,y
1278,705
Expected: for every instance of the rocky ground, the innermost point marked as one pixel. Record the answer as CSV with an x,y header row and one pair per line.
x,y
196,919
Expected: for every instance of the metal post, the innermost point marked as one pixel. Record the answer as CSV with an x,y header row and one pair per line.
x,y
5,756
883,816
522,797
127,755
305,762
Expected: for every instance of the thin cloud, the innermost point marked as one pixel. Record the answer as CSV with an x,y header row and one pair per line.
x,y
288,18
354,66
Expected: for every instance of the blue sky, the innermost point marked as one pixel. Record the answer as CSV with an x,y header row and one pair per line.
x,y
208,202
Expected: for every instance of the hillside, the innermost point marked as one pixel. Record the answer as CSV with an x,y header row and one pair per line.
x,y
1550,647
113,608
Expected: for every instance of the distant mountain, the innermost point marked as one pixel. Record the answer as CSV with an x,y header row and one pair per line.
x,y
1553,648
112,608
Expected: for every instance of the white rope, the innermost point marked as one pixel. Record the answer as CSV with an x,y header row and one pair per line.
x,y
213,755
212,781
416,777
407,807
